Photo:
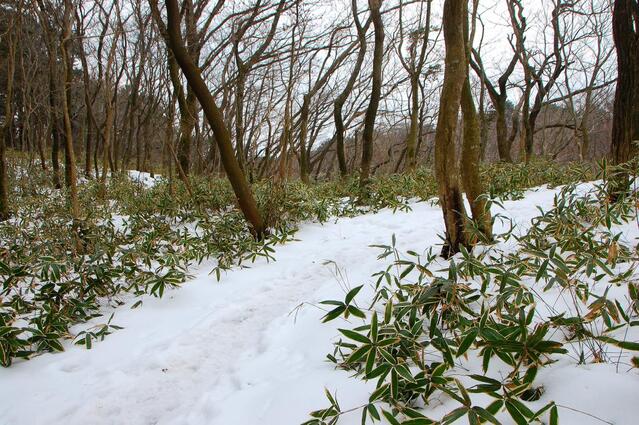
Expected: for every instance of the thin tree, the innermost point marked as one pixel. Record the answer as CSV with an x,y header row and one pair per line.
x,y
8,118
471,146
414,65
45,11
499,97
338,105
69,156
326,71
215,118
376,92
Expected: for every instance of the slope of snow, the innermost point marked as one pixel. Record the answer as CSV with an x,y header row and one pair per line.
x,y
251,349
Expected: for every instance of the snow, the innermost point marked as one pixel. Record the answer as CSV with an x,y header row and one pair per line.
x,y
144,178
251,349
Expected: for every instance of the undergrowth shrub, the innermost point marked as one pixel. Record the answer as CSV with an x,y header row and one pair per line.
x,y
142,240
567,289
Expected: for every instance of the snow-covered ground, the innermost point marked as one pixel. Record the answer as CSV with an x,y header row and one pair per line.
x,y
144,178
251,349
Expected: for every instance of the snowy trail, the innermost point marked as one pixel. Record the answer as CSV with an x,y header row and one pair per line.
x,y
227,353
174,349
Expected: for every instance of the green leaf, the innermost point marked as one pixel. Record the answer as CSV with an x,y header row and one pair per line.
x,y
372,410
554,416
467,342
627,345
463,392
530,375
454,415
358,354
374,326
390,418
333,314
370,361
542,270
515,414
485,415
378,394
356,312
405,373
495,406
351,294
418,421
355,336
522,408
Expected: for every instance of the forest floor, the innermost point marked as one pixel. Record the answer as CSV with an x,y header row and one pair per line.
x,y
251,349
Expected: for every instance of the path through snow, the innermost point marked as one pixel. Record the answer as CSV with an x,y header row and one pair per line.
x,y
230,352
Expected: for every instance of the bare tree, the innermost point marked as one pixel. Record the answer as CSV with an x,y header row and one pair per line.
x,y
10,36
499,97
418,43
69,163
541,78
340,100
376,91
215,118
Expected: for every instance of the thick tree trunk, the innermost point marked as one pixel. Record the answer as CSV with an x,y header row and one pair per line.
x,y
450,197
625,125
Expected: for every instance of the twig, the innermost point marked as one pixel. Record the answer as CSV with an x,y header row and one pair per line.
x,y
584,413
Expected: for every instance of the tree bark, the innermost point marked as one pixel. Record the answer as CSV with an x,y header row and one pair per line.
x,y
471,151
625,125
343,96
450,197
376,93
70,170
216,121
4,130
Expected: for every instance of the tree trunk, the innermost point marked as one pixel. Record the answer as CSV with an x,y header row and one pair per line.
x,y
54,125
470,158
625,124
376,93
70,171
304,112
450,197
503,143
4,130
343,96
411,140
185,132
216,121
187,124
